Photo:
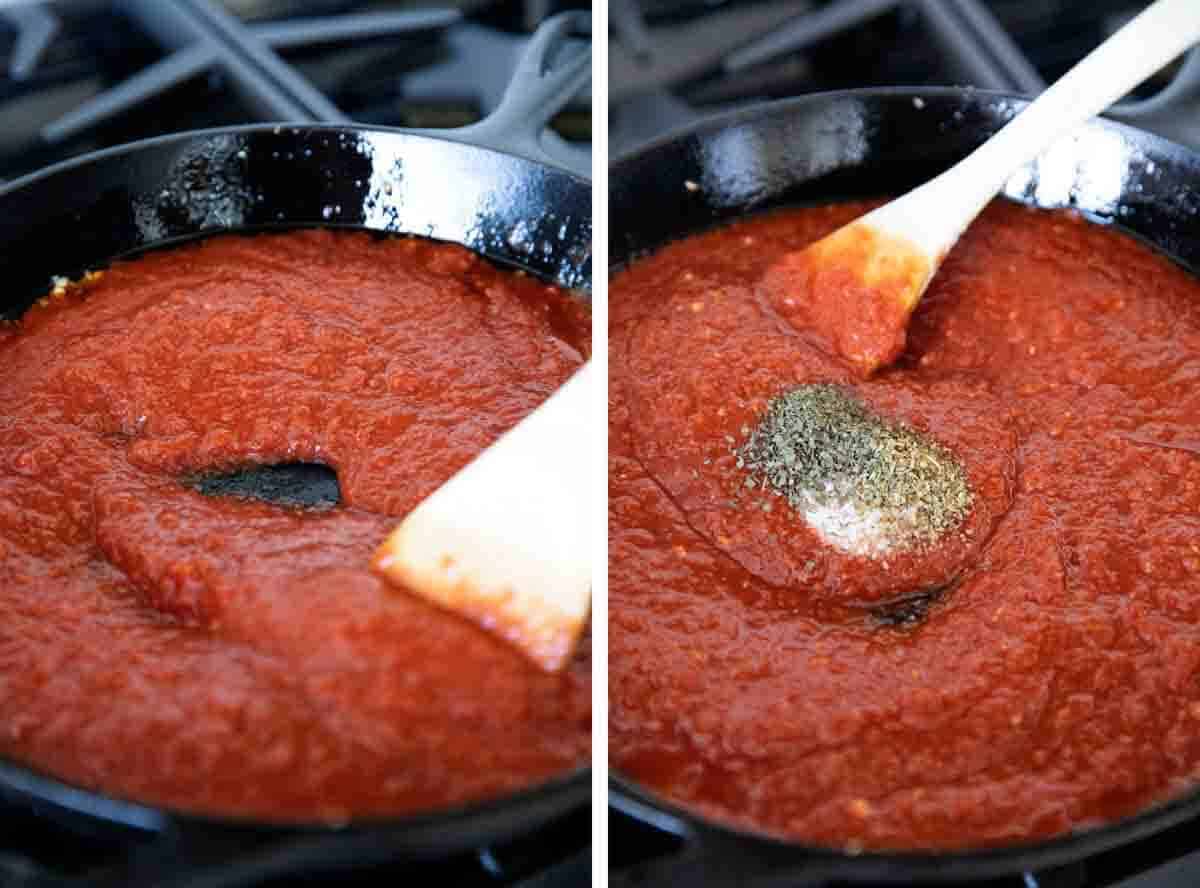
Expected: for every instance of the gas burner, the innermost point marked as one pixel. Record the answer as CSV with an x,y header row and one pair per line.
x,y
79,76
671,63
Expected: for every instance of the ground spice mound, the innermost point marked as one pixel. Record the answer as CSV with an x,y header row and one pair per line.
x,y
867,486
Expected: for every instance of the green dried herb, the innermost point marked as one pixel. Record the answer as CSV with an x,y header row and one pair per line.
x,y
869,486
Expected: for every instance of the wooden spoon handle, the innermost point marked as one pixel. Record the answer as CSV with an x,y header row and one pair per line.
x,y
505,542
935,214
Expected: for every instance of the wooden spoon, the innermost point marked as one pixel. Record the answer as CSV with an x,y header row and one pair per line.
x,y
859,286
505,541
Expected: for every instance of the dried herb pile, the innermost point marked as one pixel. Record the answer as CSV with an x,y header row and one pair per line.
x,y
868,486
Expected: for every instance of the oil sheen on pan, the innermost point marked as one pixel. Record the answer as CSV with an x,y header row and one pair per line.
x,y
1012,658
233,656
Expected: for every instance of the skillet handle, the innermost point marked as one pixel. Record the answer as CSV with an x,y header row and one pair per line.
x,y
535,94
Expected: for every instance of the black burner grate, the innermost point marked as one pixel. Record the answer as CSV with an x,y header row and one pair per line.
x,y
76,76
673,63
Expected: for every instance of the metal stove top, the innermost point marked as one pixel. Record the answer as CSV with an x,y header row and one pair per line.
x,y
80,75
675,61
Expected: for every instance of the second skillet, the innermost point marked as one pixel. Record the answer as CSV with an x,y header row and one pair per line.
x,y
858,144
504,188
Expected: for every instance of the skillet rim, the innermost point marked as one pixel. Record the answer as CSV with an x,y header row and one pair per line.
x,y
726,119
278,129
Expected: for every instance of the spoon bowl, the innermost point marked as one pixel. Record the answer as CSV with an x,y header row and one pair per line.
x,y
858,286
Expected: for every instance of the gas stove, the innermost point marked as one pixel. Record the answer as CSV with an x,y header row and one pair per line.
x,y
675,62
82,75
87,74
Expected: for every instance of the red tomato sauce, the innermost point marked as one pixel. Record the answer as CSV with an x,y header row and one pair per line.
x,y
861,286
238,657
1053,683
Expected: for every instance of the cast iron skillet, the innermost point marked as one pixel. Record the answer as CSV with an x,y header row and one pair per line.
x,y
869,143
502,187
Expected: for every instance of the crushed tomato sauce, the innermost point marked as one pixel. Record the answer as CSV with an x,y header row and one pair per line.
x,y
237,657
1054,681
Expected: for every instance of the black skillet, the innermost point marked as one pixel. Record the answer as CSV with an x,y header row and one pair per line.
x,y
869,143
506,188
